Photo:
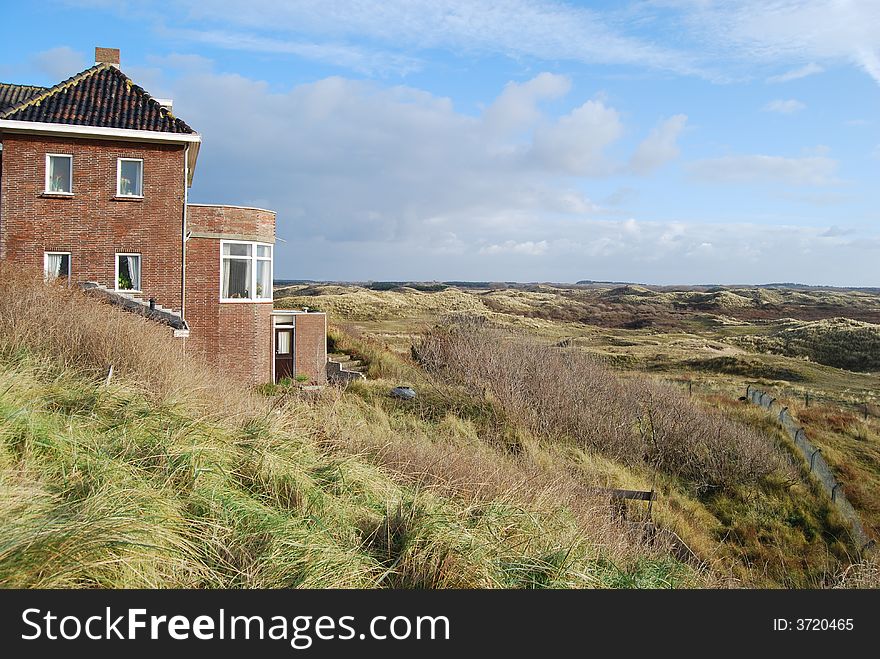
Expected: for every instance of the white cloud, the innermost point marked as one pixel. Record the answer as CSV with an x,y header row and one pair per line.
x,y
788,106
353,160
789,31
517,106
796,74
547,30
356,58
59,63
659,147
835,231
806,170
575,143
712,39
527,248
391,182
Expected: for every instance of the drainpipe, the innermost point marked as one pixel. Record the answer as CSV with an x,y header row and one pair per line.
x,y
183,234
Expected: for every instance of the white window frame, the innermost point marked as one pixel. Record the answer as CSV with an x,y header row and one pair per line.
x,y
119,192
116,272
48,187
254,259
46,256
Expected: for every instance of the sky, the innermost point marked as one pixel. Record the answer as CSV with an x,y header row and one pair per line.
x,y
658,141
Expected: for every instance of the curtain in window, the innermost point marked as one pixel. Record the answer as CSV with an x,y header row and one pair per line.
x,y
226,269
53,265
264,280
59,173
134,271
283,347
237,279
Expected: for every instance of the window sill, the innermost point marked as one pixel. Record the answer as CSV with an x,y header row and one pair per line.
x,y
237,300
128,198
130,291
56,195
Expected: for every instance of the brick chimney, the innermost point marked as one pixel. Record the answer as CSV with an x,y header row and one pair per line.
x,y
107,56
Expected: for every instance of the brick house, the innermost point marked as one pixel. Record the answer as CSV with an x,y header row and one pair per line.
x,y
94,181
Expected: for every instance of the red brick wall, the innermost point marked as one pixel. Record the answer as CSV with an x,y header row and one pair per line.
x,y
255,223
92,225
244,337
203,298
235,336
310,342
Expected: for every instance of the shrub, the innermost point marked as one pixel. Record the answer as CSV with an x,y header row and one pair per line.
x,y
567,395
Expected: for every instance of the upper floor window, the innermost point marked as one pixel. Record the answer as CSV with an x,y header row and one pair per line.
x,y
59,173
57,265
129,177
245,271
128,272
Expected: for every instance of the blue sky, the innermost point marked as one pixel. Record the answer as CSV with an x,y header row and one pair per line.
x,y
668,141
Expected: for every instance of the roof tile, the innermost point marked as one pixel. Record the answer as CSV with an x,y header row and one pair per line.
x,y
102,96
12,95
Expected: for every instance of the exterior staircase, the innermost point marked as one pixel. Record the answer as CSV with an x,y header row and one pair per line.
x,y
135,304
342,369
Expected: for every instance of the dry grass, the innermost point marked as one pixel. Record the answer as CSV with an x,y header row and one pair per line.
x,y
169,477
839,342
568,396
72,330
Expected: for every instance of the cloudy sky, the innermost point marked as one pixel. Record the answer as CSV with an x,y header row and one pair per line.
x,y
663,141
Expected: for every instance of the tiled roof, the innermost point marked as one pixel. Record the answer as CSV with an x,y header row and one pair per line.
x,y
102,96
11,95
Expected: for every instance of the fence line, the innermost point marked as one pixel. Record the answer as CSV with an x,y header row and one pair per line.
x,y
864,409
818,466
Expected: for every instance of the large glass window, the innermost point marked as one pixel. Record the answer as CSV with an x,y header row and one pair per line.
x,y
130,177
59,173
128,272
57,265
245,271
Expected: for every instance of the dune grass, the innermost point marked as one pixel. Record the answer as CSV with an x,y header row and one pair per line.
x,y
762,522
163,479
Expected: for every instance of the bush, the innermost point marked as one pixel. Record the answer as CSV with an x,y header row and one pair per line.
x,y
567,395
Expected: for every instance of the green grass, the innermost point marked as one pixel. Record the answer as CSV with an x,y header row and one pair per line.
x,y
163,479
103,488
781,533
129,486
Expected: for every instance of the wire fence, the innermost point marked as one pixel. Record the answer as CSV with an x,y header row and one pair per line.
x,y
818,466
864,409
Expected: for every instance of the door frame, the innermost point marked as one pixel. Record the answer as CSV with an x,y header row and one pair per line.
x,y
282,327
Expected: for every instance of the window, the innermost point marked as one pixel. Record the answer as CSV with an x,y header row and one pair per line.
x,y
128,272
245,271
59,173
129,177
57,265
283,344
264,272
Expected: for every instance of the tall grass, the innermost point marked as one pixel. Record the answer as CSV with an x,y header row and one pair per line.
x,y
171,477
72,330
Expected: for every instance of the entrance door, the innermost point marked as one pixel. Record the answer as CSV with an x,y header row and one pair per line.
x,y
283,354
